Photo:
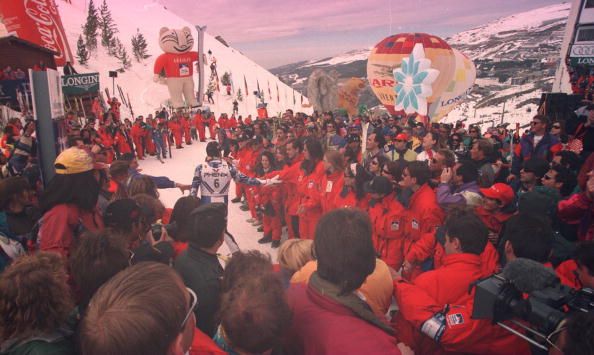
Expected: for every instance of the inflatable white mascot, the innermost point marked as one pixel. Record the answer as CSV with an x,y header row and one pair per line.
x,y
174,67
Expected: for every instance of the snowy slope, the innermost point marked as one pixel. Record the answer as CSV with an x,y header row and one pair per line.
x,y
146,96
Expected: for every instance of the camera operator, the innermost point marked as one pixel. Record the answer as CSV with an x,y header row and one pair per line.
x,y
527,236
439,304
578,272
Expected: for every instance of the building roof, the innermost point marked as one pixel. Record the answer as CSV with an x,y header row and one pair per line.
x,y
13,39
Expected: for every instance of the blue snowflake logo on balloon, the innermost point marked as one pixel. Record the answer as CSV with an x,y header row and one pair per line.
x,y
413,82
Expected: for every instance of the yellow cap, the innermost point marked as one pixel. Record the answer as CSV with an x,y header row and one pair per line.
x,y
73,161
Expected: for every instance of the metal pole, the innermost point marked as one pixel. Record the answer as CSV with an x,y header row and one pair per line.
x,y
112,85
503,112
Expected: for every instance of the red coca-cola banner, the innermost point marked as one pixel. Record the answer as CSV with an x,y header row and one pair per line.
x,y
37,21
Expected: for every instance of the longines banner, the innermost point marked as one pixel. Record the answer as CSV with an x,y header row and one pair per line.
x,y
37,21
582,54
79,84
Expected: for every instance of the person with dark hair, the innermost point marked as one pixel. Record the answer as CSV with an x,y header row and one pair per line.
x,y
567,159
36,303
374,148
578,272
531,175
385,213
353,193
481,154
96,259
213,177
268,200
529,236
24,149
289,175
199,265
561,179
458,187
441,298
119,172
421,219
327,308
69,202
442,159
181,228
143,185
428,147
309,187
159,317
538,144
162,182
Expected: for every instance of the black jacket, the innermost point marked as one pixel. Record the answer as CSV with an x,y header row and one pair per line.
x,y
202,273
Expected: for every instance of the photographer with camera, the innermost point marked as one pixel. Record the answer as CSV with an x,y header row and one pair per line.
x,y
434,310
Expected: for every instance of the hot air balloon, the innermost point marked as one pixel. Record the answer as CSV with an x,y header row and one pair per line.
x,y
458,89
428,70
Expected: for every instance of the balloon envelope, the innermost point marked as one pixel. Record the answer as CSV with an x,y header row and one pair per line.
x,y
387,55
458,89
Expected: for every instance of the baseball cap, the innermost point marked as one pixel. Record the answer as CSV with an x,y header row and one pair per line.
x,y
501,192
379,185
73,161
401,137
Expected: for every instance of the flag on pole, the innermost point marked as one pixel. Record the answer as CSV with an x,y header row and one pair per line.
x,y
277,94
246,88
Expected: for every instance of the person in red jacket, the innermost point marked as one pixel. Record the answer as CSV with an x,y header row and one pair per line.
x,y
290,177
578,272
122,141
138,134
353,194
212,123
495,209
185,124
199,123
441,298
421,219
309,187
69,203
386,215
269,202
328,315
579,209
175,127
333,180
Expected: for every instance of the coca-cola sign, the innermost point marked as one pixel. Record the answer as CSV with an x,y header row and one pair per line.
x,y
37,21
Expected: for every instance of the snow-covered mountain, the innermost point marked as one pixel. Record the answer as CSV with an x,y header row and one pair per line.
x,y
516,57
148,16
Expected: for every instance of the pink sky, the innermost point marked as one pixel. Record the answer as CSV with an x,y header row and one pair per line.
x,y
260,27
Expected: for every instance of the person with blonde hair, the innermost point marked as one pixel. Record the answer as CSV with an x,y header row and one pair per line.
x,y
292,256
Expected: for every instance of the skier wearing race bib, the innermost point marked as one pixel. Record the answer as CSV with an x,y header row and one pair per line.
x,y
214,177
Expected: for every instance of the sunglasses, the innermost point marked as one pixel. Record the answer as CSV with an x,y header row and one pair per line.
x,y
548,177
556,126
472,131
373,162
535,123
193,304
385,172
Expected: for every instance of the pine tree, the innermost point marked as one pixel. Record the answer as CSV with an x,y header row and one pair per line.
x,y
139,46
226,79
239,95
90,27
81,51
107,26
122,55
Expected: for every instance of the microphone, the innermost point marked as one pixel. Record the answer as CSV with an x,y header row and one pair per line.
x,y
529,275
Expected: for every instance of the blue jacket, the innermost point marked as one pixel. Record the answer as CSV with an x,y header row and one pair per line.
x,y
526,150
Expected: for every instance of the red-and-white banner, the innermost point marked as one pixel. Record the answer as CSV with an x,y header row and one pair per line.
x,y
37,21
